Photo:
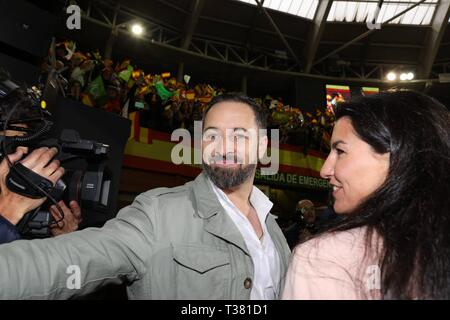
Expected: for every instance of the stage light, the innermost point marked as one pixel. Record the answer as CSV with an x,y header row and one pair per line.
x,y
137,29
391,76
406,76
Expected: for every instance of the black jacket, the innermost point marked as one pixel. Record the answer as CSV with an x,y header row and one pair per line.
x,y
8,231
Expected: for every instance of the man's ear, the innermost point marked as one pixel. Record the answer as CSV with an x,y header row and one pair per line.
x,y
262,146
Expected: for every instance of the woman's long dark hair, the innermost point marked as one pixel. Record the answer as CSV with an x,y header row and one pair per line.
x,y
411,211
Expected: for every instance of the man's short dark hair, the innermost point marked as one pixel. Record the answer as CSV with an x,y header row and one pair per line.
x,y
259,111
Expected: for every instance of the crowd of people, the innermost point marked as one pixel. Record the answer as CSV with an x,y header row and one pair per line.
x,y
165,103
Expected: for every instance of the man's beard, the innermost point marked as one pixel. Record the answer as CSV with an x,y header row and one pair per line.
x,y
225,178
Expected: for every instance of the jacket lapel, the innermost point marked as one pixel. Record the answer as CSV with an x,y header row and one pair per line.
x,y
223,227
217,221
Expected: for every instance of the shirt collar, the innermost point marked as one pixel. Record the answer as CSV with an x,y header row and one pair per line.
x,y
258,199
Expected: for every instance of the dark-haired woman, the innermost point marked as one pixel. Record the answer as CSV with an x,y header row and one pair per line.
x,y
389,167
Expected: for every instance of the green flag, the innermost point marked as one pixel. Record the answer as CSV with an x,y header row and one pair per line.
x,y
125,75
162,92
280,117
97,88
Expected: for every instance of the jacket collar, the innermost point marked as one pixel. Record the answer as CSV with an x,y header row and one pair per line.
x,y
206,201
220,224
208,207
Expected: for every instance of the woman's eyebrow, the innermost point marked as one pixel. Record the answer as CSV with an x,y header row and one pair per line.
x,y
336,143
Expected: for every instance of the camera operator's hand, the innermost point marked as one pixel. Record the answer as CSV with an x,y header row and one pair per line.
x,y
72,218
14,206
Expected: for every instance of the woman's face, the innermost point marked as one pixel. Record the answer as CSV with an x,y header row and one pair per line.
x,y
353,168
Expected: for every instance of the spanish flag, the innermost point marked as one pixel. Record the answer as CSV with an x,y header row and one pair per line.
x,y
190,95
139,133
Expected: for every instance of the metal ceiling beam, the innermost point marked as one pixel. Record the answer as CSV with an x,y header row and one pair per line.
x,y
367,42
252,27
100,12
365,34
113,35
173,6
237,55
288,73
434,39
315,35
390,2
139,15
377,44
191,23
280,34
246,27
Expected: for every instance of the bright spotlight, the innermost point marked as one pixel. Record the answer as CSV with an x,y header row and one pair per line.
x,y
391,76
137,29
410,76
403,76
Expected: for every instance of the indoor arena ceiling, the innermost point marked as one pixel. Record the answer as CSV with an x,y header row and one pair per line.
x,y
359,40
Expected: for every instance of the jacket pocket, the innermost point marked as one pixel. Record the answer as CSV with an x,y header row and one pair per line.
x,y
202,272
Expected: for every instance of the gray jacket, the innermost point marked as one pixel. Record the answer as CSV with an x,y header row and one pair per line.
x,y
170,243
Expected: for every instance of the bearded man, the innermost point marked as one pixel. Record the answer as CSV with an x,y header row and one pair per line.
x,y
212,238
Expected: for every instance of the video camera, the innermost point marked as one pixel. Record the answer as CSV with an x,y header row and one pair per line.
x,y
87,178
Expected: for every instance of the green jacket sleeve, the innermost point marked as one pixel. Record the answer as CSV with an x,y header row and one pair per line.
x,y
47,269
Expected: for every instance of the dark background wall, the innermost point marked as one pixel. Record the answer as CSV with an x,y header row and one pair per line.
x,y
25,37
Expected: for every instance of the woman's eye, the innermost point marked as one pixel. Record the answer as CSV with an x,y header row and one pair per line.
x,y
339,151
